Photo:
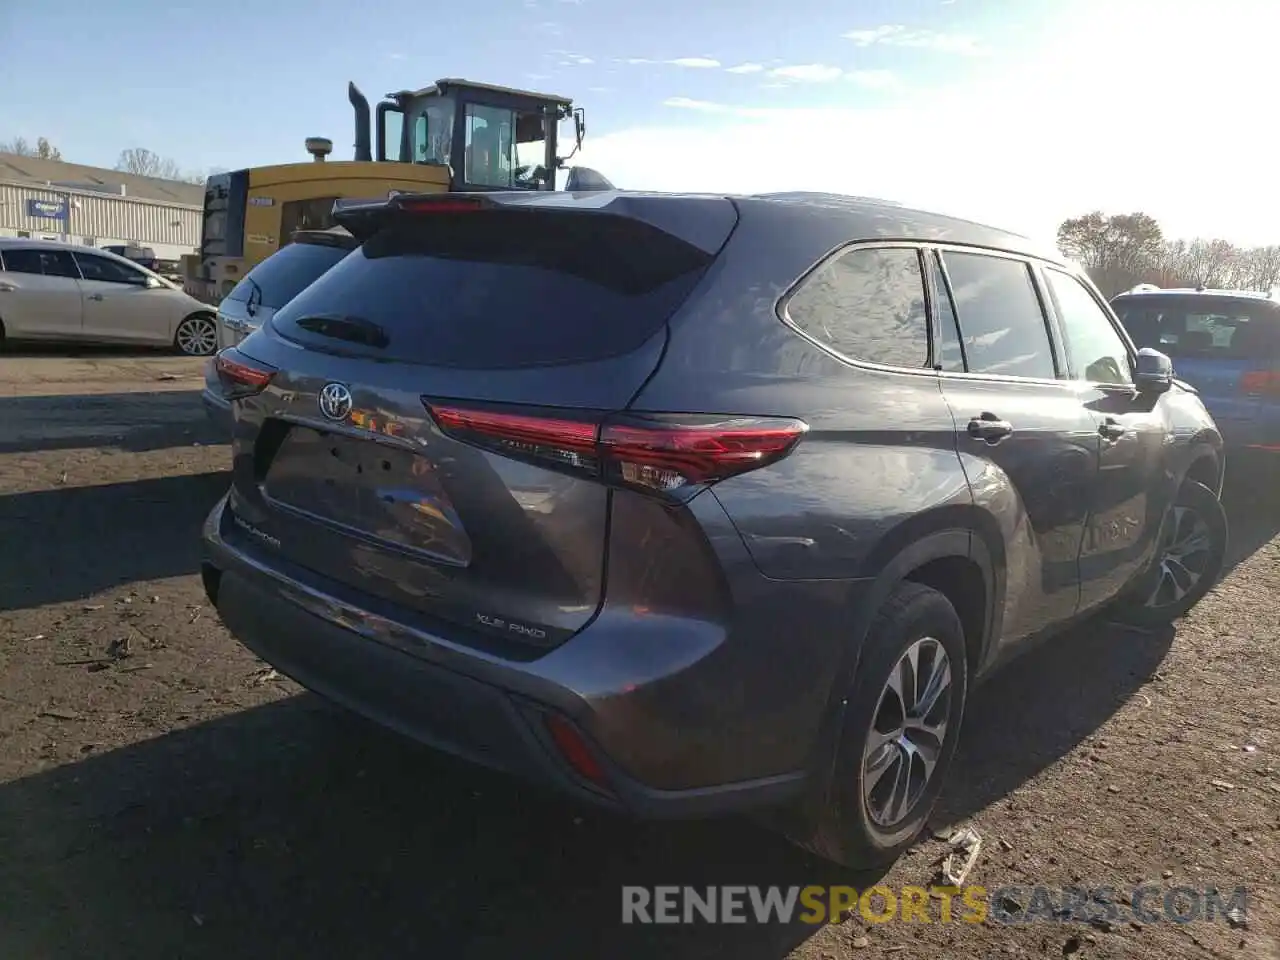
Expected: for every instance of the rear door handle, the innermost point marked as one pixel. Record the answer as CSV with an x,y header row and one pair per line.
x,y
990,428
7,288
1112,429
95,296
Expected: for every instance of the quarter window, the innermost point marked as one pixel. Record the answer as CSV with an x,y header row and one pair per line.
x,y
1096,352
1001,320
867,304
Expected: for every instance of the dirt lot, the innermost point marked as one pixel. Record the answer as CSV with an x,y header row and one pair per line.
x,y
162,795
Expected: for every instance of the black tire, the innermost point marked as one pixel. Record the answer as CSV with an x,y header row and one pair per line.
x,y
1134,606
837,823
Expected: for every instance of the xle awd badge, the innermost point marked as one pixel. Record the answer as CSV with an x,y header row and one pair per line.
x,y
335,401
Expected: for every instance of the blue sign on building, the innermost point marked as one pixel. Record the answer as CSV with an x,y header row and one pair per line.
x,y
47,209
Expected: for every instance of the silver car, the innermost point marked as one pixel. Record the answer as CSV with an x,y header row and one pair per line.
x,y
67,292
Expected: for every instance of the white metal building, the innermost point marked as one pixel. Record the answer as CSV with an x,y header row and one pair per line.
x,y
52,200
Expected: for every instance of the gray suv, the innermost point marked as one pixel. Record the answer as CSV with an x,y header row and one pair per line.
x,y
691,504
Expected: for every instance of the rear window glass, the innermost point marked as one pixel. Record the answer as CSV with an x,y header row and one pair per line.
x,y
286,273
1201,326
499,290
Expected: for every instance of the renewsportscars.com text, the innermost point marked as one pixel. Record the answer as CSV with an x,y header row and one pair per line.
x,y
937,904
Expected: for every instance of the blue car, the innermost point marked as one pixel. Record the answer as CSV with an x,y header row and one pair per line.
x,y
1226,344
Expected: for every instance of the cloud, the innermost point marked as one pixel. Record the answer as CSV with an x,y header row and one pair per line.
x,y
696,63
896,35
747,68
575,60
397,56
873,79
994,172
821,73
807,73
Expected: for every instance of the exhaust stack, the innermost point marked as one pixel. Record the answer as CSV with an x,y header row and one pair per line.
x,y
360,104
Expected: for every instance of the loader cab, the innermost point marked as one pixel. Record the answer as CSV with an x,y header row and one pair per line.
x,y
489,137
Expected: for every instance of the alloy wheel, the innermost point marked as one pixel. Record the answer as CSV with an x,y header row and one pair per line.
x,y
907,733
197,336
1185,551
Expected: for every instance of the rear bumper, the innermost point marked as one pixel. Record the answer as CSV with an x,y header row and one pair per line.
x,y
489,711
217,410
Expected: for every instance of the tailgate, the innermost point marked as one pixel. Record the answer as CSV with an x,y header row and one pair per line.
x,y
545,320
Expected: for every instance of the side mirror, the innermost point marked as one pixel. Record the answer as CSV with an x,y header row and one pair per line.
x,y
1154,371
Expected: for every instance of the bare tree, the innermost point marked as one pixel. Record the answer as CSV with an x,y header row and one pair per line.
x,y
43,149
143,163
1260,268
1209,263
1118,251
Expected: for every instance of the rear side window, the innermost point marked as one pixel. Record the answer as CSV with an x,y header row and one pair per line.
x,y
500,290
50,263
1001,320
867,304
286,273
1198,326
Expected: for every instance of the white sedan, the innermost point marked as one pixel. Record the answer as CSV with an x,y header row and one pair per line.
x,y
65,292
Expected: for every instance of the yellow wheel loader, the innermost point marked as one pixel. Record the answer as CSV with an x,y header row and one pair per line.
x,y
455,135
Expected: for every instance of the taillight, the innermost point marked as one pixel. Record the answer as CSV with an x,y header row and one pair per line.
x,y
241,376
1258,383
673,454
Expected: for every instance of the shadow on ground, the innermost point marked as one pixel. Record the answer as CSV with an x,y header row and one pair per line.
x,y
67,543
295,830
32,348
1251,496
134,422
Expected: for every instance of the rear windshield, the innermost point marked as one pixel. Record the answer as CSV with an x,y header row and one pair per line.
x,y
500,290
1220,328
286,273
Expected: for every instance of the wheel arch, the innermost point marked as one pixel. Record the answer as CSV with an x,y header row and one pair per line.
x,y
1205,464
957,550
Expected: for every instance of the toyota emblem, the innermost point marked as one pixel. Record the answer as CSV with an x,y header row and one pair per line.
x,y
335,401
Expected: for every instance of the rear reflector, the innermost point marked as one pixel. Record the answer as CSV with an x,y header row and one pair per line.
x,y
1257,383
241,376
664,453
573,747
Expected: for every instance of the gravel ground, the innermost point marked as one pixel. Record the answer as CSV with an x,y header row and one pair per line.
x,y
164,795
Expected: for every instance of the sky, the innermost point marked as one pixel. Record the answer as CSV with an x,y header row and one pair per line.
x,y
1018,113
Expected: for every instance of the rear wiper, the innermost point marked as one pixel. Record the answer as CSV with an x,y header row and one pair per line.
x,y
350,329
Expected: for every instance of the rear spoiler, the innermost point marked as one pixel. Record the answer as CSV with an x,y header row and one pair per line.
x,y
701,222
363,218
